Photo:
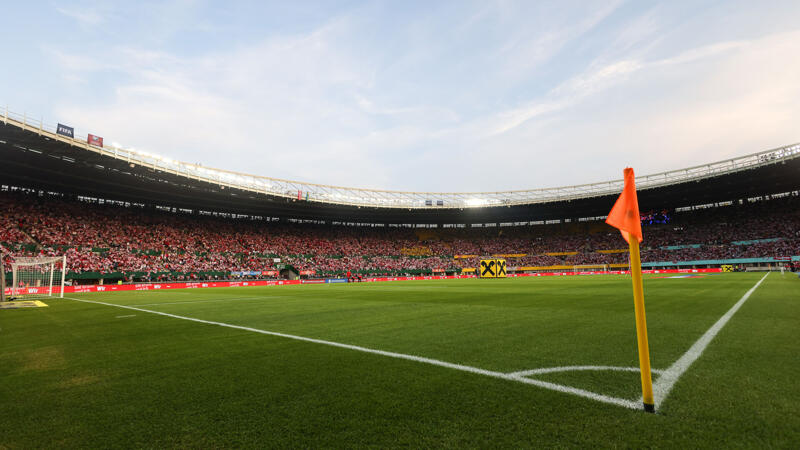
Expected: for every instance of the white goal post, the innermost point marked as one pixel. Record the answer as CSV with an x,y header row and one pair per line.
x,y
590,268
38,277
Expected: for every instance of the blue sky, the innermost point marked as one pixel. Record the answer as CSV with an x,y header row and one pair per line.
x,y
433,95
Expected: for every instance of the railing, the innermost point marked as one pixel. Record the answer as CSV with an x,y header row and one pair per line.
x,y
399,199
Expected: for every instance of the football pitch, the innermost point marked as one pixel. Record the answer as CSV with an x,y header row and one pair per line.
x,y
518,362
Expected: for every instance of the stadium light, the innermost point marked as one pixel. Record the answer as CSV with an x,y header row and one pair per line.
x,y
476,202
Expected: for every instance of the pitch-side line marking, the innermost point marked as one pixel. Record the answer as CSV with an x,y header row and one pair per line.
x,y
435,362
544,370
664,384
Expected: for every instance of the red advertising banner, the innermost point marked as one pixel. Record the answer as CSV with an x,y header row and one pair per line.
x,y
154,286
95,140
213,284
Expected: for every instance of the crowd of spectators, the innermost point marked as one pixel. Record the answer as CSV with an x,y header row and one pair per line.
x,y
111,238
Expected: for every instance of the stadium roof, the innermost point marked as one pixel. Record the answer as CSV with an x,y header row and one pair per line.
x,y
35,156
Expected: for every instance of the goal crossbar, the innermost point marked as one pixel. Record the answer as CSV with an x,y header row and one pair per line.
x,y
590,268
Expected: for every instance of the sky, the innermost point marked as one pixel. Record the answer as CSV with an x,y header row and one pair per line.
x,y
443,96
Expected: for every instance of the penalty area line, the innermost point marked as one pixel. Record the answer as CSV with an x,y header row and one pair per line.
x,y
420,359
663,386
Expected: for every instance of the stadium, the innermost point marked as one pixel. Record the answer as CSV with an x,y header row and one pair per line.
x,y
370,224
181,305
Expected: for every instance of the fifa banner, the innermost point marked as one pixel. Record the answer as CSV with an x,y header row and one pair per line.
x,y
492,268
65,131
95,140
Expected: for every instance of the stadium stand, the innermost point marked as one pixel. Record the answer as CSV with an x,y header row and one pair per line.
x,y
122,215
109,241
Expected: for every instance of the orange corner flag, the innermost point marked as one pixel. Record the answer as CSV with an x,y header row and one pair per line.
x,y
625,217
625,214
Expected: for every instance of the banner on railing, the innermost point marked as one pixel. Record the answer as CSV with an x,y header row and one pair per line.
x,y
95,140
66,131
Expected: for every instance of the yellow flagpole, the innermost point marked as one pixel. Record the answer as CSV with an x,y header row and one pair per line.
x,y
641,325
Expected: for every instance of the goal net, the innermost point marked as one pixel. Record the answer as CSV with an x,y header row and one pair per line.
x,y
590,268
38,277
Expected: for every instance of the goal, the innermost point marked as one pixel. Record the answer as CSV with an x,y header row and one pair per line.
x,y
38,277
590,268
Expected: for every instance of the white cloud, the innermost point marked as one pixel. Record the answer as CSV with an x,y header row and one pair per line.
x,y
533,45
668,114
82,15
318,106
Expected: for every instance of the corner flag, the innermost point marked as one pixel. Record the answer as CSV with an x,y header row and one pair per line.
x,y
625,214
625,217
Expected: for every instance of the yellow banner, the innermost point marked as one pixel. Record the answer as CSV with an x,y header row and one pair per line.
x,y
501,268
464,256
616,250
468,270
488,268
561,253
565,267
492,268
416,251
545,268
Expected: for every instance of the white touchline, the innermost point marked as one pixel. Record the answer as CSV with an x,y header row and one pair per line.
x,y
664,384
543,384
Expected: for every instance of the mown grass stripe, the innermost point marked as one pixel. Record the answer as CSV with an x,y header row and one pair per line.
x,y
543,384
663,386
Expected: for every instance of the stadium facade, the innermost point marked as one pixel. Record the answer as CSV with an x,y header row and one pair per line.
x,y
51,158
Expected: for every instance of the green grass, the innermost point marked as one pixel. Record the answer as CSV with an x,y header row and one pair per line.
x,y
76,375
